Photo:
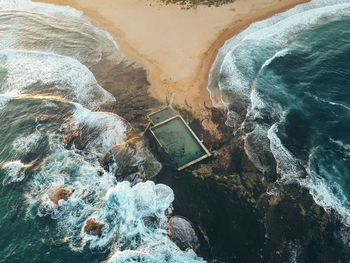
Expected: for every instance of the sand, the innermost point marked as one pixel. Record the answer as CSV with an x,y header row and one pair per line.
x,y
176,46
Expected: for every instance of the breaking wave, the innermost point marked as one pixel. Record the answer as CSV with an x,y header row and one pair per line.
x,y
276,78
55,141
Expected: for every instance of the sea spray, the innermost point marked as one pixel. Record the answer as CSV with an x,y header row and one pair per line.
x,y
47,94
14,172
259,76
133,216
59,76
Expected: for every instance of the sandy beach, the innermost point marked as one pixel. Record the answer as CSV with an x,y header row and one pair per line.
x,y
86,177
176,46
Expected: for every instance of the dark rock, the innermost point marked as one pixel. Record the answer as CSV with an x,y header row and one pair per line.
x,y
59,193
124,156
237,221
127,81
92,227
181,231
80,137
292,217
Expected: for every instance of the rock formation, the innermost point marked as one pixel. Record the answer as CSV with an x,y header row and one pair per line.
x,y
92,227
59,193
181,232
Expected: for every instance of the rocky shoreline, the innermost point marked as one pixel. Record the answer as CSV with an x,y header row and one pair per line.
x,y
245,216
238,213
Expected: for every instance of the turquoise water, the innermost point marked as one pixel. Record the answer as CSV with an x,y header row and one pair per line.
x,y
178,141
287,81
25,236
162,115
49,98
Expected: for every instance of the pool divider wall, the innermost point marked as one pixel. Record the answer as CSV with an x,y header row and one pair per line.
x,y
208,154
159,112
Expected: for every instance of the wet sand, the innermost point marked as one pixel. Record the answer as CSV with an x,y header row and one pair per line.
x,y
176,46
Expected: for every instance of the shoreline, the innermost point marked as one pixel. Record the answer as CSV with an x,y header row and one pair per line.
x,y
188,80
238,212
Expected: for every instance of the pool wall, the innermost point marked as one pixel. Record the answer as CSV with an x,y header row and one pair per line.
x,y
169,136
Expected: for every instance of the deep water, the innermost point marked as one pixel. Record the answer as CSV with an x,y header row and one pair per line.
x,y
286,83
311,84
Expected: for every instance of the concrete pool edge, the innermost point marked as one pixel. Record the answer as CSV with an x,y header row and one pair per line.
x,y
199,142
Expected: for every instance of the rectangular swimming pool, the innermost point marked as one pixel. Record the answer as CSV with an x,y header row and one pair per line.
x,y
162,115
179,141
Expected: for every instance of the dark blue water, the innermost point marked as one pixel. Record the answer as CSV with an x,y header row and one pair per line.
x,y
289,84
311,83
286,82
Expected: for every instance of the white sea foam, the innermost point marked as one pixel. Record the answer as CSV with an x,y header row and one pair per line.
x,y
5,98
317,98
58,75
14,172
345,147
67,168
55,29
126,209
133,216
165,254
40,8
235,66
287,164
340,105
26,143
108,130
110,126
323,192
324,196
234,72
295,253
278,54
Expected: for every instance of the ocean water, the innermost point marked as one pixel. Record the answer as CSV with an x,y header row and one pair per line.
x,y
47,93
286,83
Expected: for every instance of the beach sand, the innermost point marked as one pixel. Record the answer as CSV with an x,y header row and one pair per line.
x,y
176,46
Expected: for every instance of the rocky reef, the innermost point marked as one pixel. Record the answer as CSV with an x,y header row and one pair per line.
x,y
244,215
92,227
181,231
238,212
59,193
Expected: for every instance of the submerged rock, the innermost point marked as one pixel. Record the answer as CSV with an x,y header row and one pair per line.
x,y
151,221
94,228
131,161
79,137
181,231
124,157
14,172
59,193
